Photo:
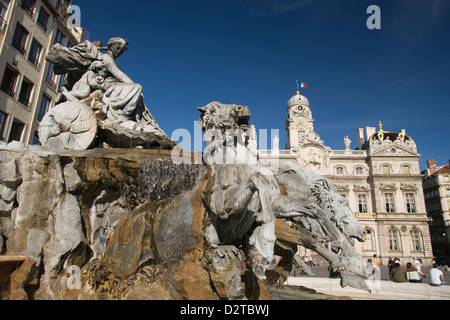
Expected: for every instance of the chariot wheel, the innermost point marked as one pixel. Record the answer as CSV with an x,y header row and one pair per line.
x,y
71,125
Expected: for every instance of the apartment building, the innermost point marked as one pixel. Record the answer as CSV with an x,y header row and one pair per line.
x,y
28,85
436,185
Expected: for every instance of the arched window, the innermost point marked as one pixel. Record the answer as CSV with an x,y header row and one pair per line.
x,y
359,171
406,169
385,169
394,240
416,240
340,170
369,240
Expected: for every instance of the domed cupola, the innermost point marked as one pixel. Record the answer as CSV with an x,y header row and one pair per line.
x,y
298,102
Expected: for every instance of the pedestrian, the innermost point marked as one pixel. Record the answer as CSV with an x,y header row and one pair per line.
x,y
376,261
437,277
397,260
412,273
418,266
398,274
391,264
376,267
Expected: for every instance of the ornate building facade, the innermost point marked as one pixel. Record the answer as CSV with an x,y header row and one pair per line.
x,y
381,179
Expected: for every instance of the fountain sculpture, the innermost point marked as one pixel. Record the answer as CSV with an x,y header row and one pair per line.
x,y
112,223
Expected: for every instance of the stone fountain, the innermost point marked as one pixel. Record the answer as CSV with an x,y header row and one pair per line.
x,y
101,211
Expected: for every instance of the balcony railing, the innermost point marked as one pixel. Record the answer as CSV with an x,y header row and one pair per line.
x,y
10,92
366,215
272,152
28,6
349,152
51,83
3,24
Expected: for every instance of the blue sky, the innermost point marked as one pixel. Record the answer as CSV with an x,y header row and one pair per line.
x,y
187,54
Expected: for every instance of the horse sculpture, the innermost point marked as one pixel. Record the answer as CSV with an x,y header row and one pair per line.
x,y
268,209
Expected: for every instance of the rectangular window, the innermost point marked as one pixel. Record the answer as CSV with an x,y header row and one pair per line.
x,y
448,192
16,131
25,92
50,78
20,38
3,118
340,170
385,169
43,108
362,203
36,141
42,19
4,4
446,179
410,203
406,170
9,81
28,6
389,199
35,53
62,79
59,37
301,135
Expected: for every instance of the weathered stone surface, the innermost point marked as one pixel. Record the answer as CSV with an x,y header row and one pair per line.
x,y
192,282
131,244
226,268
21,279
91,211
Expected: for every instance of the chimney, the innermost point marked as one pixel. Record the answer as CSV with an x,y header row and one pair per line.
x,y
431,165
361,139
370,131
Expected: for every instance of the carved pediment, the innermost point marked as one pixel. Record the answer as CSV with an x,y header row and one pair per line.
x,y
358,188
396,148
409,187
343,188
388,186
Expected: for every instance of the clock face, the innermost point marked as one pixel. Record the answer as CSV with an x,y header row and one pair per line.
x,y
301,122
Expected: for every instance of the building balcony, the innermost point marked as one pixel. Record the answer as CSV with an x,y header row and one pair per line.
x,y
349,153
366,215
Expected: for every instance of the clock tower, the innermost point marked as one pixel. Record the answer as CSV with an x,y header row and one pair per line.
x,y
303,142
299,123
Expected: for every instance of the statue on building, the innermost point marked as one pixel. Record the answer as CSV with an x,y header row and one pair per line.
x,y
95,80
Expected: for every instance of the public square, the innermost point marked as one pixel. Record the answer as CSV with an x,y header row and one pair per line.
x,y
384,290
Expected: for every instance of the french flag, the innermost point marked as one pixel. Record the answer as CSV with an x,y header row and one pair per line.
x,y
304,85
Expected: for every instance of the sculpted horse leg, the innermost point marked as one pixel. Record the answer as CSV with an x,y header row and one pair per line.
x,y
233,212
